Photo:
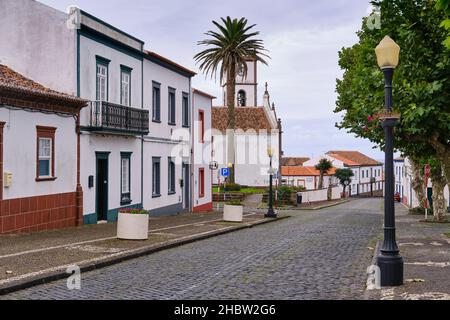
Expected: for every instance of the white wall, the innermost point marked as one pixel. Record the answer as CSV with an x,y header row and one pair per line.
x,y
90,143
88,74
37,43
19,143
162,139
321,195
202,151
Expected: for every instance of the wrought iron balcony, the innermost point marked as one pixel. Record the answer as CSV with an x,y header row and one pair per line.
x,y
110,117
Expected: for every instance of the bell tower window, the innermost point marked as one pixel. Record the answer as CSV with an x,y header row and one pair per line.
x,y
241,98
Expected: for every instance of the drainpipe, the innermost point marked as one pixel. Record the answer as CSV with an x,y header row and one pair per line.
x,y
191,131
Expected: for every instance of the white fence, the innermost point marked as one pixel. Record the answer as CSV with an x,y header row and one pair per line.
x,y
321,195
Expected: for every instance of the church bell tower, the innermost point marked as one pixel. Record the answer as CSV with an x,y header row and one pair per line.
x,y
246,88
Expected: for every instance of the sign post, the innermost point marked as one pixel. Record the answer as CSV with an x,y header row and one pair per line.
x,y
427,176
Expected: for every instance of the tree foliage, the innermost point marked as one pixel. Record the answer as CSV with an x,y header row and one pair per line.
x,y
344,176
421,81
323,166
226,54
444,5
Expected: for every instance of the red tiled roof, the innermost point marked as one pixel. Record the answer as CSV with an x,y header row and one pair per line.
x,y
246,118
304,171
173,63
14,82
202,93
353,158
293,161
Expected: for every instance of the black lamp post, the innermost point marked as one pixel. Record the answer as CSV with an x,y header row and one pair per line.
x,y
389,261
270,212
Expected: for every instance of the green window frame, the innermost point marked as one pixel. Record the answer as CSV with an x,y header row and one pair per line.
x,y
125,178
172,96
156,177
125,85
185,107
156,102
102,78
171,175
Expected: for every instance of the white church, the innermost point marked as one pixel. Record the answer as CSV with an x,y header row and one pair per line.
x,y
257,129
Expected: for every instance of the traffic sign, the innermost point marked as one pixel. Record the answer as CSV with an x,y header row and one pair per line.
x,y
224,172
213,165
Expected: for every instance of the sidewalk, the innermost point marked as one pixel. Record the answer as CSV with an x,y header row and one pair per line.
x,y
425,248
30,259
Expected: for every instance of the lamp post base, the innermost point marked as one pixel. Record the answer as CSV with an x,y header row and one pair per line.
x,y
391,269
270,214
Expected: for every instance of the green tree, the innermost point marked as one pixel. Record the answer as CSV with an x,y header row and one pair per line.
x,y
421,81
323,166
228,49
345,176
444,5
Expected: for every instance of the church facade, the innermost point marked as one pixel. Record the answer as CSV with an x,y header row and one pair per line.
x,y
257,129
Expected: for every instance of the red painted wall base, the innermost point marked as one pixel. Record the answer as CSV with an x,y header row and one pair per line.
x,y
38,213
204,207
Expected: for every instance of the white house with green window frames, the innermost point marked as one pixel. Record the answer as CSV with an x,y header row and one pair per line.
x,y
139,107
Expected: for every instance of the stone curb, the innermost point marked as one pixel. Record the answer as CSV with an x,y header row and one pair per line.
x,y
321,207
106,262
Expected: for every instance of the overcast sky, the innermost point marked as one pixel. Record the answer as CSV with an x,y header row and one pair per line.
x,y
303,38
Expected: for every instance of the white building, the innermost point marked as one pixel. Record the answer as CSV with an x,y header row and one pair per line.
x,y
139,112
307,177
39,156
202,151
257,129
403,184
368,173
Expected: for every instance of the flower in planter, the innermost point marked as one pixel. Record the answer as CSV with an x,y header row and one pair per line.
x,y
134,211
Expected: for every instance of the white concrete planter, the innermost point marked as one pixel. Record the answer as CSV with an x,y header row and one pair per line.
x,y
233,213
132,226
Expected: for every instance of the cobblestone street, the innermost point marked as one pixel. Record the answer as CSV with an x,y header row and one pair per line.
x,y
319,254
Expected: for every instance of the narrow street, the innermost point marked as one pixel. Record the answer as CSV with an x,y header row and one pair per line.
x,y
320,254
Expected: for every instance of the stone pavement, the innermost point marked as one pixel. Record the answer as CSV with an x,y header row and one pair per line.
x,y
319,254
28,258
426,252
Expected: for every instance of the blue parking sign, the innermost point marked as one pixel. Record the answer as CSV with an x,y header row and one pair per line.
x,y
224,172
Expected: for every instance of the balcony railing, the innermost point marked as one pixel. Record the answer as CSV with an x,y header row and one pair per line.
x,y
107,116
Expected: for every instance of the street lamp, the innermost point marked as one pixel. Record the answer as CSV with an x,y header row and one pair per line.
x,y
389,261
270,213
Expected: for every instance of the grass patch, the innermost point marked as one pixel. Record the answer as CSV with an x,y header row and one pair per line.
x,y
248,190
447,234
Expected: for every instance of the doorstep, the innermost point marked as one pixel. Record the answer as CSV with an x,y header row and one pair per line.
x,y
31,259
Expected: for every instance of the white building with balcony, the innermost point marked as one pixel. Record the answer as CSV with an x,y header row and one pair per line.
x,y
139,110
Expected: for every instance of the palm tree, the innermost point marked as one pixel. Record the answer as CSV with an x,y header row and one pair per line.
x,y
228,49
323,166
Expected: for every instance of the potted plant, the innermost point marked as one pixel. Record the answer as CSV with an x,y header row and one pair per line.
x,y
233,211
132,224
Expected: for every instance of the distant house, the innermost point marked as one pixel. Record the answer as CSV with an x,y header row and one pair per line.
x,y
368,173
307,177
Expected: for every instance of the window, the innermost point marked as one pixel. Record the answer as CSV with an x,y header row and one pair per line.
x,y
125,178
156,177
201,182
171,176
241,98
185,110
201,124
172,106
125,86
45,162
156,106
362,174
102,79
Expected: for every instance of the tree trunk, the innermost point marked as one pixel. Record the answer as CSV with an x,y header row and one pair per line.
x,y
231,125
320,181
439,203
443,154
418,181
